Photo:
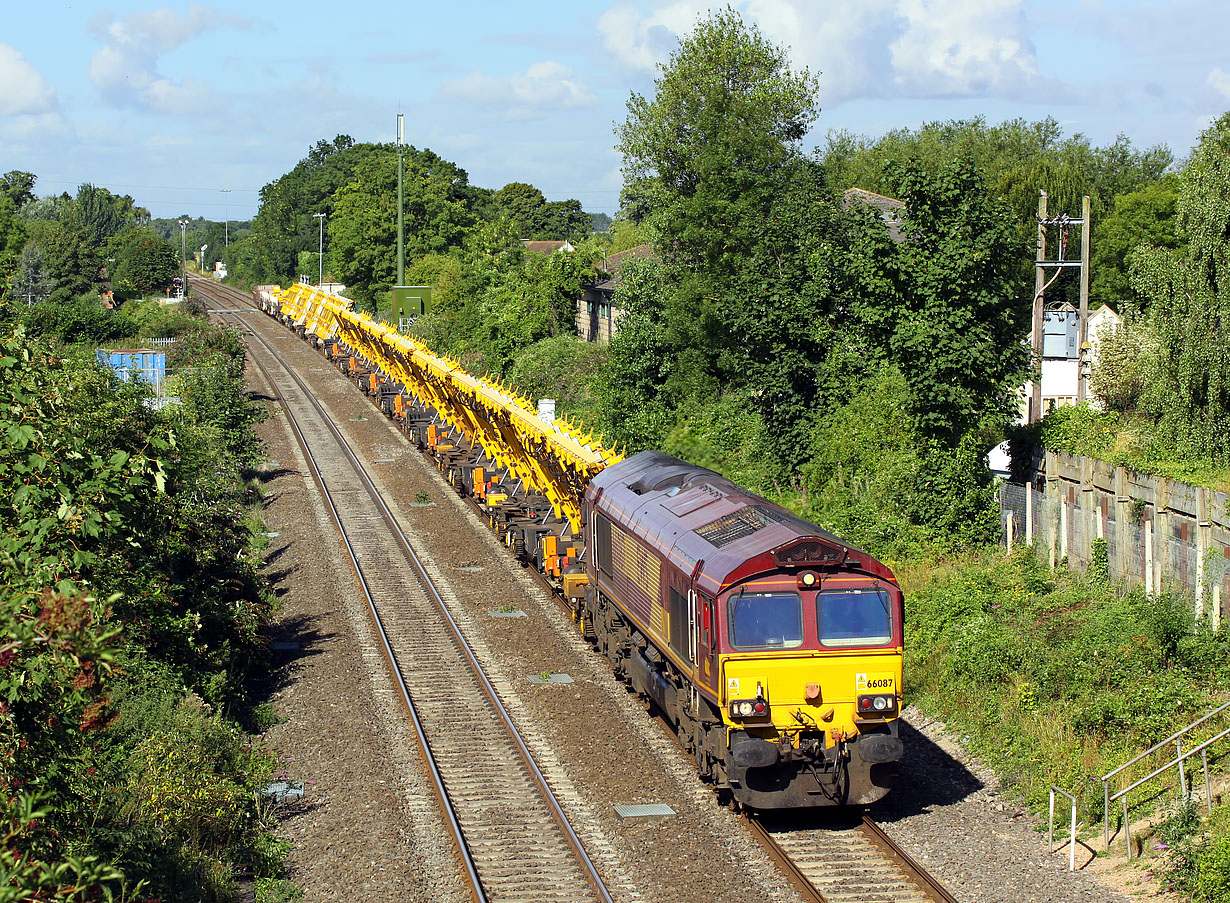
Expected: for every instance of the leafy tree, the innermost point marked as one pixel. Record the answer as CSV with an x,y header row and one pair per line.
x,y
362,232
12,238
523,204
717,141
636,410
285,225
947,305
144,264
99,214
72,262
33,283
18,186
565,220
1018,159
1146,215
1187,292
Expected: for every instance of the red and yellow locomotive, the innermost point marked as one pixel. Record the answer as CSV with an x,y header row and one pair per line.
x,y
773,647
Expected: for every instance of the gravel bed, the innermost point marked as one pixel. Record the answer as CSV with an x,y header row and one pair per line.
x,y
366,829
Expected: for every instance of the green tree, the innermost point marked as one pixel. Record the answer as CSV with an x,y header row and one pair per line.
x,y
947,305
1018,159
523,205
565,220
144,264
13,236
718,139
362,231
18,186
1146,215
1187,292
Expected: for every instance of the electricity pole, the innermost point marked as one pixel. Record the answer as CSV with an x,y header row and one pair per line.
x,y
226,228
320,277
401,242
183,257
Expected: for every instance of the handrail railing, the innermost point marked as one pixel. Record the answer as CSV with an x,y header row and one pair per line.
x,y
1179,759
1071,830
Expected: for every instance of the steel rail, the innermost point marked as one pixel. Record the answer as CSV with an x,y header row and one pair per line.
x,y
561,818
906,862
797,876
906,867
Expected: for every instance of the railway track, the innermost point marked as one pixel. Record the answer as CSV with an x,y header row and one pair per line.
x,y
512,836
854,862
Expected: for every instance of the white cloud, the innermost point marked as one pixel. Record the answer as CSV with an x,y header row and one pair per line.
x,y
25,91
125,69
960,47
641,42
872,48
1219,80
544,86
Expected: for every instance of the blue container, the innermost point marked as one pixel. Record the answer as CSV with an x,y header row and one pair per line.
x,y
147,366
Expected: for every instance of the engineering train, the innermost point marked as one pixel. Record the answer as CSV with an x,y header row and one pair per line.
x,y
772,647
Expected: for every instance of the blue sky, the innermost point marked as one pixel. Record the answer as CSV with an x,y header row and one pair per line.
x,y
192,107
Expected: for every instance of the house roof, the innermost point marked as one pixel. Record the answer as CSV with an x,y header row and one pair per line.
x,y
614,265
890,209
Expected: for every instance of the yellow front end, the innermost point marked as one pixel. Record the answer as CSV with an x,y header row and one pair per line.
x,y
795,733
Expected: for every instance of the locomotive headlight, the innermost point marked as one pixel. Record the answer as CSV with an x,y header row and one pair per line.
x,y
754,709
877,705
809,580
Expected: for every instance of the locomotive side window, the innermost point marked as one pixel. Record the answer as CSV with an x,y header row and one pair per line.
x,y
853,617
766,621
602,539
679,621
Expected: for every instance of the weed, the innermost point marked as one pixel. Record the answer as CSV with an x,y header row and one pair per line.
x,y
264,717
421,497
276,890
544,676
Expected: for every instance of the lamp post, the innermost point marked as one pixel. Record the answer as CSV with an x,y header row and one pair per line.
x,y
226,226
203,247
183,257
320,277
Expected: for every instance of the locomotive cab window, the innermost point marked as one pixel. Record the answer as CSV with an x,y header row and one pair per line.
x,y
766,621
853,617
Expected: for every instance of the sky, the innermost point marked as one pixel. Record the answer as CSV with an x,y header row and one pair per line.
x,y
191,107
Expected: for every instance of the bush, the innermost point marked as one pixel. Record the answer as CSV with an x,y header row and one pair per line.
x,y
84,320
1074,675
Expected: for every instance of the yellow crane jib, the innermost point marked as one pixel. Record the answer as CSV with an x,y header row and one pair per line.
x,y
554,459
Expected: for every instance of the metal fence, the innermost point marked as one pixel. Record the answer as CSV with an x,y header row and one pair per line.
x,y
1160,533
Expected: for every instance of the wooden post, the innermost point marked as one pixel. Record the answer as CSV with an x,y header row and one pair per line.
x,y
1148,539
1029,513
1035,335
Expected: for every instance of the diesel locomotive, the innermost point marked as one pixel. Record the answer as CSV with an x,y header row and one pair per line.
x,y
774,648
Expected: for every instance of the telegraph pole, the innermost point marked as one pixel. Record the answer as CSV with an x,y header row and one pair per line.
x,y
1041,284
1035,333
183,257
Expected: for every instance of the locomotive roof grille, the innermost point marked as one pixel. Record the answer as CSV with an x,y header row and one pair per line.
x,y
739,524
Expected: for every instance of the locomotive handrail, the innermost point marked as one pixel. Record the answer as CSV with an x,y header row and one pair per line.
x,y
555,458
